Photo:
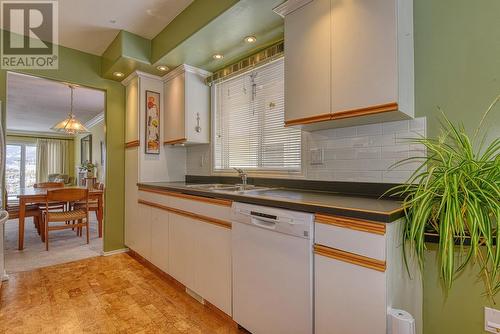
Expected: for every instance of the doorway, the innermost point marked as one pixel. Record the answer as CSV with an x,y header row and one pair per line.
x,y
40,153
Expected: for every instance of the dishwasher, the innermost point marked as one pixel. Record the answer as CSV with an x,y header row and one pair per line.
x,y
272,269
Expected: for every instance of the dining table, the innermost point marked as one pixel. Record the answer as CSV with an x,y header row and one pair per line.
x,y
32,195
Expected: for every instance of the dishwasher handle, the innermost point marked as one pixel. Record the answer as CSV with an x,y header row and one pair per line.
x,y
268,223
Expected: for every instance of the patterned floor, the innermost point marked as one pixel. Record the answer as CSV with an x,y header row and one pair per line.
x,y
114,294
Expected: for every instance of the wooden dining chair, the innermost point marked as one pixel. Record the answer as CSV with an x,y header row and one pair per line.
x,y
93,204
31,211
79,217
51,185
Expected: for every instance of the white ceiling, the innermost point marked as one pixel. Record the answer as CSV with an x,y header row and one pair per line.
x,y
36,104
86,24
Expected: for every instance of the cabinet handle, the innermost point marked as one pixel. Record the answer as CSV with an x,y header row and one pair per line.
x,y
351,258
353,224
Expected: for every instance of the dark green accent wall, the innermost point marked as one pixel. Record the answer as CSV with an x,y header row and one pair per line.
x,y
457,67
85,69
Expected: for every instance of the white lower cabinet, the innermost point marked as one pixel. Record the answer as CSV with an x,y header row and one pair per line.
x,y
349,299
181,242
160,239
143,232
213,265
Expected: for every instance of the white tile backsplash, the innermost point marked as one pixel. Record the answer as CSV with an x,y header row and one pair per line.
x,y
363,153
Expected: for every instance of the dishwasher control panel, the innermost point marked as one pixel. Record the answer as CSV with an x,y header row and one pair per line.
x,y
290,222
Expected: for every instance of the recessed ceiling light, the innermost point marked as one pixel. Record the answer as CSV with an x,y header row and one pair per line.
x,y
162,68
218,56
118,74
250,39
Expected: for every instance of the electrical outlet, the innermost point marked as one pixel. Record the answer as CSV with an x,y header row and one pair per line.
x,y
316,155
491,320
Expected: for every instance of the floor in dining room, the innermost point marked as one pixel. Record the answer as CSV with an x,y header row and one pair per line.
x,y
64,246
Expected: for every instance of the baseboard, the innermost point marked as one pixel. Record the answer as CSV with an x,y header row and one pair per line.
x,y
116,251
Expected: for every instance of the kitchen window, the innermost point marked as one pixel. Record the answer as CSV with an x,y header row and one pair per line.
x,y
249,123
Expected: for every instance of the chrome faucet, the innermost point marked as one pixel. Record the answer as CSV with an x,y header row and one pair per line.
x,y
243,175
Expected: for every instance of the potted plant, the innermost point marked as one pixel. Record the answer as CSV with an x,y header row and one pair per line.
x,y
88,167
455,194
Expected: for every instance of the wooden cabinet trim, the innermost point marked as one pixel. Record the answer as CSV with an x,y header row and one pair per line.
x,y
175,141
351,258
376,109
213,221
216,201
309,120
133,143
353,224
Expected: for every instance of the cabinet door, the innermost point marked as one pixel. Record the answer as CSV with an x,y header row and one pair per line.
x,y
181,245
131,206
213,265
349,299
143,232
174,108
159,239
364,54
307,61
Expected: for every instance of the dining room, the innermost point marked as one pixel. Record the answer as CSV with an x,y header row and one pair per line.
x,y
55,172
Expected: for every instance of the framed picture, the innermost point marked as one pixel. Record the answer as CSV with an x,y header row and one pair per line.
x,y
152,122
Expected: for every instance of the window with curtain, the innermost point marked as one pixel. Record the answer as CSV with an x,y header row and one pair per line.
x,y
52,158
249,123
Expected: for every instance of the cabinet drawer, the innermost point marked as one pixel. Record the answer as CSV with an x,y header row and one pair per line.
x,y
350,235
202,206
154,198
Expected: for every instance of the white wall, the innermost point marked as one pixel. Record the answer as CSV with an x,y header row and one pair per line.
x,y
359,153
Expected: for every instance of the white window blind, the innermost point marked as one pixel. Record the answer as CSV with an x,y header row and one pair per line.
x,y
249,123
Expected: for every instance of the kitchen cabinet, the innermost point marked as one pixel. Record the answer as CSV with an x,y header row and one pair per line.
x,y
349,298
182,232
143,232
160,239
189,238
359,274
187,106
348,62
213,265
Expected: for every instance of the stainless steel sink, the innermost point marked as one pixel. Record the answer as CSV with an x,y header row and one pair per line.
x,y
232,188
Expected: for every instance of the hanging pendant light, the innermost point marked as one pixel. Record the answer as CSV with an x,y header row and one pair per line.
x,y
70,125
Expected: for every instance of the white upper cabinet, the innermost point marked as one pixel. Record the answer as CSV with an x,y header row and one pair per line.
x,y
348,62
187,106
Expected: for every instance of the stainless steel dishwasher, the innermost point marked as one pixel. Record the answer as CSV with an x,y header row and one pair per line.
x,y
272,269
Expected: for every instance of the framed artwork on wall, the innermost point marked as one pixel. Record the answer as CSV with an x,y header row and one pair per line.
x,y
152,122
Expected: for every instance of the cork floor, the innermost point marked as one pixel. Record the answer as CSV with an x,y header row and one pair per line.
x,y
114,294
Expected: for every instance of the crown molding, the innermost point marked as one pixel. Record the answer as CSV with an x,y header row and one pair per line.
x,y
289,6
41,134
95,120
139,74
185,68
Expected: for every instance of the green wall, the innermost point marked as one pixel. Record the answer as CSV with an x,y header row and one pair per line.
x,y
85,69
457,66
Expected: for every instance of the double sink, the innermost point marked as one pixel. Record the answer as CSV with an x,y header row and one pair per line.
x,y
229,188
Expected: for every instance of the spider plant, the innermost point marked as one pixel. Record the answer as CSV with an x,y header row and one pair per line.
x,y
455,192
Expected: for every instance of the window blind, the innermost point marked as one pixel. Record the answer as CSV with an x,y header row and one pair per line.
x,y
249,122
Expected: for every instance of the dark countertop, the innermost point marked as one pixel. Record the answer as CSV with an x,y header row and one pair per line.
x,y
361,207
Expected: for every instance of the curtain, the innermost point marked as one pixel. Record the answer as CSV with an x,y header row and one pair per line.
x,y
52,157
